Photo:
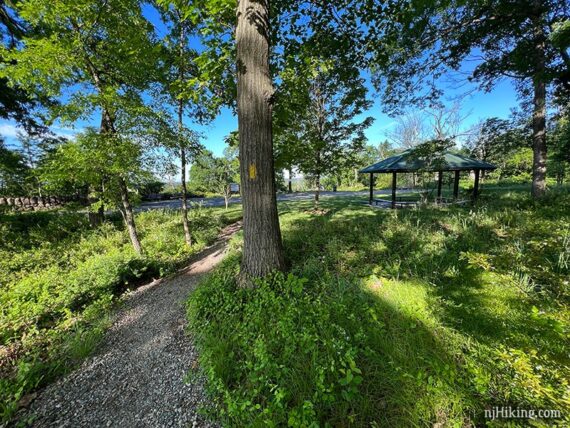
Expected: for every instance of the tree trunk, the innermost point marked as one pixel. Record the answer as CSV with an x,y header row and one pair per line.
x,y
539,115
107,127
96,218
290,180
318,190
262,248
128,216
187,235
181,74
318,180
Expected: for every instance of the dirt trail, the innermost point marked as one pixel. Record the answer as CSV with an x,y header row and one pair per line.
x,y
136,378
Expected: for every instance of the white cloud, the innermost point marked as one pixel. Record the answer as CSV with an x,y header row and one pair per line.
x,y
389,125
9,131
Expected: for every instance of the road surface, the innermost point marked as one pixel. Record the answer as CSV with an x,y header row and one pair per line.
x,y
219,202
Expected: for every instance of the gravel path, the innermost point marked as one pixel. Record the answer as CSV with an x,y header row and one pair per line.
x,y
136,377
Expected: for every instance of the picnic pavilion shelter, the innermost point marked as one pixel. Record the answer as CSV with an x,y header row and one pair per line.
x,y
409,162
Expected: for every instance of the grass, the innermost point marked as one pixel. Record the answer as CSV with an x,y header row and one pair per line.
x,y
59,279
396,318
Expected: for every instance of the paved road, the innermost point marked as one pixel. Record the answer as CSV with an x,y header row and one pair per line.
x,y
219,202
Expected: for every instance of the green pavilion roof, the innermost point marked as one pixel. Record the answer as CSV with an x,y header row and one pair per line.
x,y
409,162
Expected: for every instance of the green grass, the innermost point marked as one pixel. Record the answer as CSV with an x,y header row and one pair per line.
x,y
396,318
59,279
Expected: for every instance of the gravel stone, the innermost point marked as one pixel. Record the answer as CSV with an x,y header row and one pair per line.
x,y
136,378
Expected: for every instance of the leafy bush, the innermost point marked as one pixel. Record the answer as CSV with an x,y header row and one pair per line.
x,y
270,336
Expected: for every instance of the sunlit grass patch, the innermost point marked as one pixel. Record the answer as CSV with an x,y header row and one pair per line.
x,y
438,311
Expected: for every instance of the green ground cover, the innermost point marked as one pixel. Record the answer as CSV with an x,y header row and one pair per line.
x,y
59,278
396,318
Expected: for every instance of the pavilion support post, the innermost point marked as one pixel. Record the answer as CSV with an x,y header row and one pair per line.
x,y
371,188
394,182
456,185
439,185
476,187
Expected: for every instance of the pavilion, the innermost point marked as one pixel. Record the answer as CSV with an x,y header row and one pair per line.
x,y
409,162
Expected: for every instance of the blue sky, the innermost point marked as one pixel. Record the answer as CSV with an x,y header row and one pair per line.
x,y
476,106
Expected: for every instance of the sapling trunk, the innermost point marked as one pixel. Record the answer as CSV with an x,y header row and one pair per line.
x,y
181,76
128,216
539,113
185,223
108,128
317,191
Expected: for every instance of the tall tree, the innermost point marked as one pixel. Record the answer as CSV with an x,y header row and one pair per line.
x,y
215,174
263,248
409,130
191,98
93,161
330,136
100,54
508,38
499,140
290,26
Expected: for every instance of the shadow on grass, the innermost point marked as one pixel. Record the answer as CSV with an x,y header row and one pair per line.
x,y
434,306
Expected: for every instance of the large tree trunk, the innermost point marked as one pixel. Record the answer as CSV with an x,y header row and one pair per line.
x,y
262,248
539,114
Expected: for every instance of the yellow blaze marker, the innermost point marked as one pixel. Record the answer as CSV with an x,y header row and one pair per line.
x,y
252,171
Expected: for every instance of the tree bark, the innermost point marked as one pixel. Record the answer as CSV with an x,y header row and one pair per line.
x,y
108,127
539,114
262,248
128,216
318,179
318,190
181,75
187,235
96,218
